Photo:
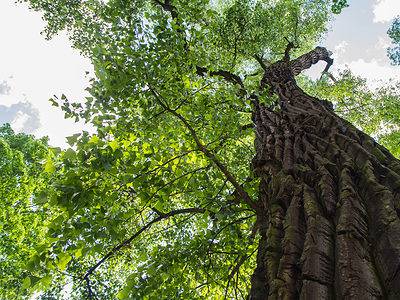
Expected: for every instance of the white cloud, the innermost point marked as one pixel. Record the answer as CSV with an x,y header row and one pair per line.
x,y
339,50
386,10
375,73
341,47
383,43
39,69
22,116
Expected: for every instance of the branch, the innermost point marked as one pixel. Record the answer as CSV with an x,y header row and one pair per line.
x,y
171,9
260,61
241,192
241,259
173,180
144,228
289,47
329,74
168,7
307,60
89,288
228,76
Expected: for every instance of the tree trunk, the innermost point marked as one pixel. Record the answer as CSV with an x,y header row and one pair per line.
x,y
329,199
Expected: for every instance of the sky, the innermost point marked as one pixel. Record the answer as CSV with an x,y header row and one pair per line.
x,y
358,39
32,69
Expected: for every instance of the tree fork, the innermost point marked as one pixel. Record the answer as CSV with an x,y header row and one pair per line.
x,y
330,199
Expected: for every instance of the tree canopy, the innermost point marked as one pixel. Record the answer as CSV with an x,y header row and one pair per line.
x,y
22,162
158,204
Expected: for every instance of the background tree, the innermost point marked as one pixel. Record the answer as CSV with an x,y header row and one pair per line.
x,y
22,164
373,111
394,33
165,202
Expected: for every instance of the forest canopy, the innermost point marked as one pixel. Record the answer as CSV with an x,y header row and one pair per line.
x,y
160,203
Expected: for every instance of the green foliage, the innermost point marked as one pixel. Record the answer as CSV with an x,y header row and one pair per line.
x,y
152,109
21,214
144,159
394,34
374,112
338,5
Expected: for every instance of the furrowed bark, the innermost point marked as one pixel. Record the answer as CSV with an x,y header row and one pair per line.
x,y
330,199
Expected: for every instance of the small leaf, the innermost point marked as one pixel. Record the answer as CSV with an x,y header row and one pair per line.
x,y
78,253
26,283
114,145
94,139
41,198
49,166
53,102
72,139
69,154
63,260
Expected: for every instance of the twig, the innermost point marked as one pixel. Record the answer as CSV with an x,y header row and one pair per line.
x,y
329,74
88,287
240,261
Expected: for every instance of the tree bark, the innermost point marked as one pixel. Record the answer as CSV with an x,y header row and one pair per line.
x,y
329,201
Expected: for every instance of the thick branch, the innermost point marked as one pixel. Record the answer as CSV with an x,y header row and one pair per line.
x,y
307,60
242,193
228,76
260,61
168,7
289,47
171,9
144,228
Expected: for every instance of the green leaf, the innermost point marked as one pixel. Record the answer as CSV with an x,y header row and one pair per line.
x,y
114,144
123,294
73,139
54,102
49,166
63,260
69,154
26,283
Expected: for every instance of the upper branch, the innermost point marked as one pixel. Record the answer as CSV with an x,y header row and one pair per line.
x,y
228,76
242,193
260,60
167,6
289,47
307,60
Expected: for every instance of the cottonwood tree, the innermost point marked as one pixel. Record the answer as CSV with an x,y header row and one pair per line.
x,y
212,174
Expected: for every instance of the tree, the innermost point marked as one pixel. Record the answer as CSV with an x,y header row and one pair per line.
x,y
170,199
394,33
21,168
